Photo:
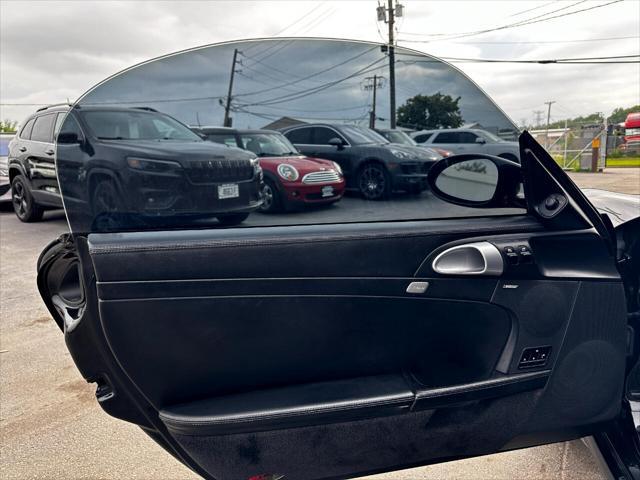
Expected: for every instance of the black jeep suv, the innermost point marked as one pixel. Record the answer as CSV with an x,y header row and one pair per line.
x,y
371,164
128,165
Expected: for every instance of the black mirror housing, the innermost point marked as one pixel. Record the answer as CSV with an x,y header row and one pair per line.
x,y
336,142
68,138
508,186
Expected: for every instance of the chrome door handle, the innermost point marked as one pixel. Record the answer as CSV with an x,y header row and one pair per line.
x,y
50,151
23,149
478,258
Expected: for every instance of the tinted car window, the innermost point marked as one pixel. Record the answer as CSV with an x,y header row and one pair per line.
x,y
299,135
142,114
25,133
43,128
267,144
447,137
130,125
224,138
467,137
68,125
322,135
423,137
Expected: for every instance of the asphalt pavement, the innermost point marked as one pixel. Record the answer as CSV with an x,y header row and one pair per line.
x,y
52,427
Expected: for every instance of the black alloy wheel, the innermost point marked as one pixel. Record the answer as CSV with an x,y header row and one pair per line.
x,y
374,182
23,203
105,198
271,201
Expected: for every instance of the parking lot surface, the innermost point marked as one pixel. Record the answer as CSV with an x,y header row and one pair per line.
x,y
52,427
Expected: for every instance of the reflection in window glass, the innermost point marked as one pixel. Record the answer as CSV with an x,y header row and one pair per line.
x,y
25,133
43,128
148,170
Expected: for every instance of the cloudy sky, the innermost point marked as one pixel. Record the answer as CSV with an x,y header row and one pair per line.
x,y
53,51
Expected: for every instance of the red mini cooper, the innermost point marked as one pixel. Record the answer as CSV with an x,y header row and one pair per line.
x,y
290,179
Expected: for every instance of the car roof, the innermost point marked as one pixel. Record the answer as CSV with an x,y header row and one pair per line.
x,y
330,125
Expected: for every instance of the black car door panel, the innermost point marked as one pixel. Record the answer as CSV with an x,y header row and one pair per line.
x,y
253,368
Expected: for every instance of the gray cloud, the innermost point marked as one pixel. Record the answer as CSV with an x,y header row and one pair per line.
x,y
51,51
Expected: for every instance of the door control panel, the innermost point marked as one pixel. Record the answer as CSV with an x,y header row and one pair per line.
x,y
534,357
516,252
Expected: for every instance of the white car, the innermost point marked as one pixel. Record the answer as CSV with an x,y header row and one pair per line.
x,y
5,185
468,140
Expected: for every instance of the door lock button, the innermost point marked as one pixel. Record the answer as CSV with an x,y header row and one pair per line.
x,y
511,254
526,256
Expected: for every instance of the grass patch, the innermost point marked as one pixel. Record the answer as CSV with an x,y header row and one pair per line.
x,y
623,162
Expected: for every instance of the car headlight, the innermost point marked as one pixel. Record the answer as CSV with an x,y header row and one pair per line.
x,y
152,165
400,154
257,169
288,172
338,168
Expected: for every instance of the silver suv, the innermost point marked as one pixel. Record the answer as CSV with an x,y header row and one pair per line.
x,y
468,140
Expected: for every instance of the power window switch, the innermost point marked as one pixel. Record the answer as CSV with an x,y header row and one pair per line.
x,y
526,256
511,255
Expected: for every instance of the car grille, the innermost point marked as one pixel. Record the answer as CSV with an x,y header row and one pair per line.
x,y
219,171
326,176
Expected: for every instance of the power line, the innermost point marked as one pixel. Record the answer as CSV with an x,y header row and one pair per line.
x,y
579,60
531,9
286,28
312,91
528,21
314,74
605,39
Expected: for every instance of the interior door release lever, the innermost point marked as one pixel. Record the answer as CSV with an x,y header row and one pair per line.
x,y
478,258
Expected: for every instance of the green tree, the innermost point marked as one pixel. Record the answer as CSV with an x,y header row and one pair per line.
x,y
8,126
619,114
430,111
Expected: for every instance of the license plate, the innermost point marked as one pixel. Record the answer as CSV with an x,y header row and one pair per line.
x,y
327,192
228,190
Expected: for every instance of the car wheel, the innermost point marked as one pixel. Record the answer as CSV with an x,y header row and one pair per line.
x,y
27,210
105,198
232,219
374,182
271,201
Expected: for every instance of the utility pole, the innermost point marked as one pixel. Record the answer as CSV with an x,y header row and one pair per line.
x,y
538,114
373,83
392,69
546,135
227,120
393,12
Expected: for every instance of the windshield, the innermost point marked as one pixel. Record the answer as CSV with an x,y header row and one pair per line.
x,y
362,135
491,136
137,125
397,136
268,144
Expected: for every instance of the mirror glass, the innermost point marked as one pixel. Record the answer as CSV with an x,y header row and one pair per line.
x,y
471,180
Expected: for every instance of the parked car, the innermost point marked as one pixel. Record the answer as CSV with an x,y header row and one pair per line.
x,y
5,184
402,138
290,179
468,140
128,161
371,164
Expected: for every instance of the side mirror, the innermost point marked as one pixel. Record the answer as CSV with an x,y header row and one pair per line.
x,y
480,140
336,142
68,138
478,181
